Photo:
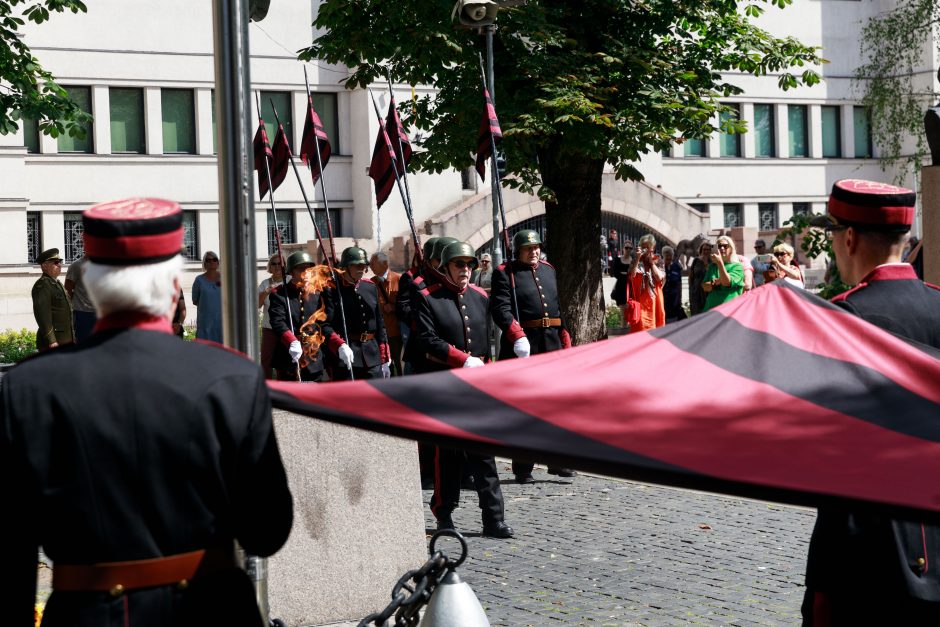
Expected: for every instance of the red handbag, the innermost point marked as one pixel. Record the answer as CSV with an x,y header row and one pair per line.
x,y
632,308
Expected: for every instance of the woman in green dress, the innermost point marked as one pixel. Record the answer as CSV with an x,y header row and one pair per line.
x,y
724,277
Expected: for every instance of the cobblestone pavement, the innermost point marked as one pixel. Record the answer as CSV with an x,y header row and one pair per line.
x,y
599,551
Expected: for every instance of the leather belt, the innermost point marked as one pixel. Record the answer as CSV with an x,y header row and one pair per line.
x,y
117,577
542,322
365,337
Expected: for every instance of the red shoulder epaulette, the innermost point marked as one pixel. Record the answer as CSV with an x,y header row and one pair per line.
x,y
840,297
936,287
478,289
427,291
502,266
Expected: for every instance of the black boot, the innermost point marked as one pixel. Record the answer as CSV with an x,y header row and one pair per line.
x,y
562,472
498,529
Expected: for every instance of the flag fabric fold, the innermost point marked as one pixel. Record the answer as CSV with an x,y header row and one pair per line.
x,y
281,159
264,158
381,169
777,395
401,145
314,137
489,134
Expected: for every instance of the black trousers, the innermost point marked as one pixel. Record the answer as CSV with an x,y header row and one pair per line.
x,y
448,464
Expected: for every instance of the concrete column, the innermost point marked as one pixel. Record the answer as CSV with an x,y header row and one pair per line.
x,y
209,233
101,109
847,120
153,120
751,216
713,141
53,230
50,145
814,126
204,122
930,201
747,139
677,151
298,103
781,132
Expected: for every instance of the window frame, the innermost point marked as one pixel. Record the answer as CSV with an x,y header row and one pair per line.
x,y
735,206
735,137
806,148
192,120
142,127
838,124
89,128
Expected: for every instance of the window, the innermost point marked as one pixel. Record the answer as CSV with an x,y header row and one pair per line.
x,y
30,135
764,144
695,148
734,215
285,224
81,96
127,120
796,121
334,218
325,105
730,142
801,208
179,121
700,207
74,245
33,236
191,236
767,216
862,133
281,104
831,132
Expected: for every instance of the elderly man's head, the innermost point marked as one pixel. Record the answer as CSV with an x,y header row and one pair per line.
x,y
378,263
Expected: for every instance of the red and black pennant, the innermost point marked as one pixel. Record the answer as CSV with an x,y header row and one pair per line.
x,y
264,159
401,145
313,141
282,153
490,134
382,167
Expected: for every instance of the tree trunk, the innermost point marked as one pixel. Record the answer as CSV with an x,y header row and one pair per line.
x,y
574,226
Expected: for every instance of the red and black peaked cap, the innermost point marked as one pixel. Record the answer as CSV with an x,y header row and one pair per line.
x,y
133,231
870,204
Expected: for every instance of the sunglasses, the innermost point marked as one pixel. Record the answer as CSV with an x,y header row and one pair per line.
x,y
460,264
781,254
208,259
723,247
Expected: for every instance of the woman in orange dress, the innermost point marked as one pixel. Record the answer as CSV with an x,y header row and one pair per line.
x,y
646,286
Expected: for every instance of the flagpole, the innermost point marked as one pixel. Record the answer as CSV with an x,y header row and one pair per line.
x,y
411,222
316,229
401,148
277,236
326,203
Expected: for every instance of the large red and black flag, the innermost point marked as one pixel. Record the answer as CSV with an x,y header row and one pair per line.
x,y
281,158
489,134
382,168
264,158
314,140
401,145
776,395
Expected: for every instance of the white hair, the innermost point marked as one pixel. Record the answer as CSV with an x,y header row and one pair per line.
x,y
147,288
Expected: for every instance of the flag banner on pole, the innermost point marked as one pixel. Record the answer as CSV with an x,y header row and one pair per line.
x,y
314,136
489,134
401,145
282,154
264,158
381,170
777,395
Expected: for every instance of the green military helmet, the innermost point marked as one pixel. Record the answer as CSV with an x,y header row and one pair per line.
x,y
459,249
525,237
440,245
299,258
354,255
428,247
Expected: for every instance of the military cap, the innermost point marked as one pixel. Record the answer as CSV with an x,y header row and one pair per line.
x,y
869,204
353,255
299,258
428,247
525,237
133,231
48,255
440,245
459,249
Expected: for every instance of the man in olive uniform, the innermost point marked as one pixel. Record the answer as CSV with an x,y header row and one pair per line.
x,y
452,332
291,307
355,330
537,327
139,470
51,305
864,568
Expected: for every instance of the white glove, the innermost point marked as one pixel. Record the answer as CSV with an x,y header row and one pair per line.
x,y
295,350
473,362
387,370
521,347
346,355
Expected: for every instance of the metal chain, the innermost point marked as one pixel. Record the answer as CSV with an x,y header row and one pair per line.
x,y
413,590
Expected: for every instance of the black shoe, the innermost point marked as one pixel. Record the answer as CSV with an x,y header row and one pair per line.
x,y
497,530
525,479
562,472
445,523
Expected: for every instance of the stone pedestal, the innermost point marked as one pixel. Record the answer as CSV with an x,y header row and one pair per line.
x,y
930,201
358,521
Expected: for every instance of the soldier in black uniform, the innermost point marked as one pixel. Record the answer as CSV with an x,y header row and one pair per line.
x,y
452,333
356,332
290,360
538,326
145,462
864,568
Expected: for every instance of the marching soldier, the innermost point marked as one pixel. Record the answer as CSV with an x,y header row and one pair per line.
x,y
143,465
538,326
52,307
452,332
862,568
289,358
358,340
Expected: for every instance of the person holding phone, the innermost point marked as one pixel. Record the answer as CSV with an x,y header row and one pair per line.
x,y
724,277
760,263
647,277
782,266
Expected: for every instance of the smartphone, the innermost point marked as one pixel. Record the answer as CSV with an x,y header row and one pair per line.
x,y
765,258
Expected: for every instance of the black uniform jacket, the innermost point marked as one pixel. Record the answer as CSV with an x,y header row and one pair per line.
x,y
135,445
451,324
408,290
364,328
537,296
865,555
300,311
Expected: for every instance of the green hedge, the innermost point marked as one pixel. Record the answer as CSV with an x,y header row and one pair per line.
x,y
16,345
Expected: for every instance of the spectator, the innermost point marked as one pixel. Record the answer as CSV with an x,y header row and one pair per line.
x,y
724,278
758,267
696,275
646,284
914,256
207,296
613,247
179,316
387,283
82,309
620,271
783,266
51,306
672,287
483,276
269,338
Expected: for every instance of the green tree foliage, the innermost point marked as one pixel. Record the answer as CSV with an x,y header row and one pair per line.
x,y
893,45
579,85
814,242
26,89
